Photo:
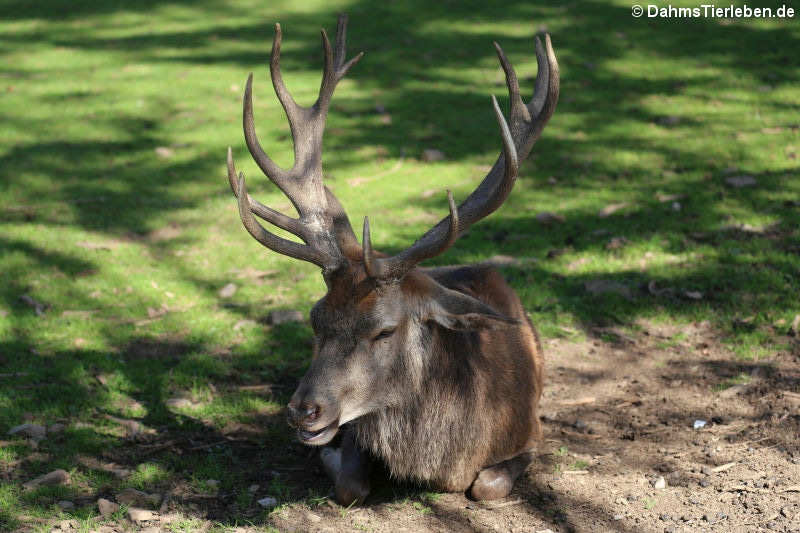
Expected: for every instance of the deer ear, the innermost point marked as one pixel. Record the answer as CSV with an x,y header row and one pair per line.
x,y
455,310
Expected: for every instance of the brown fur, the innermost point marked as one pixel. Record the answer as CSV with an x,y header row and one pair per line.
x,y
443,403
477,405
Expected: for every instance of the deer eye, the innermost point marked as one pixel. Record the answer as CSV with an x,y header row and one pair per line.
x,y
385,334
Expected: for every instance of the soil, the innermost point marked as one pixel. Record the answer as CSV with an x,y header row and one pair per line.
x,y
619,414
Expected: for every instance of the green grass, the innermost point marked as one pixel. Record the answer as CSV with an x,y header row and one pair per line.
x,y
741,379
115,214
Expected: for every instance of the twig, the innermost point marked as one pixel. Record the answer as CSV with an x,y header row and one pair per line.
x,y
208,445
578,401
722,468
14,374
575,472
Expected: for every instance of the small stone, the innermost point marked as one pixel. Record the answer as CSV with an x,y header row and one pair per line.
x,y
66,505
139,515
664,517
660,483
704,483
312,517
31,431
706,470
694,501
772,524
619,516
283,316
56,477
106,507
253,488
431,155
737,182
268,503
164,152
131,497
68,524
179,403
213,483
227,291
580,425
616,243
548,218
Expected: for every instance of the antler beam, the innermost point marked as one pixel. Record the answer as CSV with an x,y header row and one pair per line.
x,y
527,123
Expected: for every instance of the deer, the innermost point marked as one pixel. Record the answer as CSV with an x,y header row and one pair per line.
x,y
435,372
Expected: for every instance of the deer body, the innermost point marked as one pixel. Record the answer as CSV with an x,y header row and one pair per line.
x,y
437,372
473,403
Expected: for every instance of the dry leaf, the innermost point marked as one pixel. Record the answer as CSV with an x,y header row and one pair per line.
x,y
610,209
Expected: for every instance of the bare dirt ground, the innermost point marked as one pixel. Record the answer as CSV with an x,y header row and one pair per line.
x,y
619,414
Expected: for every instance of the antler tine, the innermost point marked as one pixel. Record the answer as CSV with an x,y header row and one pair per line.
x,y
335,66
396,267
273,242
527,123
322,223
267,213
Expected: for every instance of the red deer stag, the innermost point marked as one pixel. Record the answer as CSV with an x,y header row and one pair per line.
x,y
437,372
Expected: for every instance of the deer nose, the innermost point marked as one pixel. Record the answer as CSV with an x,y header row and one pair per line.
x,y
303,413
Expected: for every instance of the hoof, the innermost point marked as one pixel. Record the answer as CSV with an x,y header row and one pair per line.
x,y
491,484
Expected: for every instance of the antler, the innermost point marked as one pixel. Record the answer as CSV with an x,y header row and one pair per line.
x,y
322,224
527,123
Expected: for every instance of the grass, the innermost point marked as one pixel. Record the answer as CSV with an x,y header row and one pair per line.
x,y
116,218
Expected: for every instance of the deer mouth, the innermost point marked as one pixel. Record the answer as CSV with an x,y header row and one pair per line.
x,y
319,437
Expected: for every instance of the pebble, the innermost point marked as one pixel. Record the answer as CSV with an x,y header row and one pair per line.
x,y
106,507
212,483
139,515
56,477
660,483
32,431
179,403
66,505
253,488
737,182
228,290
69,524
430,155
269,502
704,483
619,516
136,497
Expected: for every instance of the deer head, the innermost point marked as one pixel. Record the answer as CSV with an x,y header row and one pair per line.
x,y
374,330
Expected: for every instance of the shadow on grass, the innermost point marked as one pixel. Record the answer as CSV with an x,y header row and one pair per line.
x,y
118,186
